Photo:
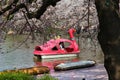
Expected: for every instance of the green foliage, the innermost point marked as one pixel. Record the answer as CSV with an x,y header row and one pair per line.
x,y
23,76
47,77
15,76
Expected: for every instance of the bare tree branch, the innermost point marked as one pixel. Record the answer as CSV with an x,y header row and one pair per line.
x,y
14,7
8,7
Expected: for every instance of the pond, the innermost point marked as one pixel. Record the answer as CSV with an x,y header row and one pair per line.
x,y
12,57
16,59
15,54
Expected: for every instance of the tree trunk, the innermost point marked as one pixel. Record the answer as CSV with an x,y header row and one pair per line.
x,y
109,35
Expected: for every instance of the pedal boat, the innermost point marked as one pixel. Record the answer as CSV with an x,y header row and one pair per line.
x,y
57,48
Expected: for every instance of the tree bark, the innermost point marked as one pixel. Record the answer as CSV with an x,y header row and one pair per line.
x,y
109,35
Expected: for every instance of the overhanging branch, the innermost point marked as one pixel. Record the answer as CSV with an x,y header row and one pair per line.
x,y
16,6
8,7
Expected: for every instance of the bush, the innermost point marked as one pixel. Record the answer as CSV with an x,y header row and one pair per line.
x,y
15,76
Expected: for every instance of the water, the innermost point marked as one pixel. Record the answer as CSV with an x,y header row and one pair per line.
x,y
11,58
22,57
17,59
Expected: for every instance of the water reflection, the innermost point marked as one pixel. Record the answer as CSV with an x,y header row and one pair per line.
x,y
51,63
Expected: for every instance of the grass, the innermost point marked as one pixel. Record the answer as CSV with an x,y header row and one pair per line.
x,y
23,76
15,76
